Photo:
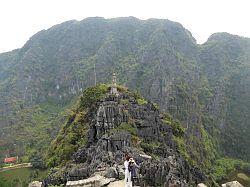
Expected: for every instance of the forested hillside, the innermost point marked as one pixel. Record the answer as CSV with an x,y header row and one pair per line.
x,y
204,86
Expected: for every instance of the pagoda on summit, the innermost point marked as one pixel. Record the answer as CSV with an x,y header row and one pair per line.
x,y
113,89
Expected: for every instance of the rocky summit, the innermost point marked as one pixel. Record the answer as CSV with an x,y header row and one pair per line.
x,y
115,125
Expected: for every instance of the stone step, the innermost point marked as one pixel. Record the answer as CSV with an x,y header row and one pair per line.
x,y
119,183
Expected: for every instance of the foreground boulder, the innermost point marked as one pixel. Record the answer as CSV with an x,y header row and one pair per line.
x,y
35,184
201,185
232,184
96,181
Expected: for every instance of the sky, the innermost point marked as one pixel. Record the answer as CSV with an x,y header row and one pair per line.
x,y
20,19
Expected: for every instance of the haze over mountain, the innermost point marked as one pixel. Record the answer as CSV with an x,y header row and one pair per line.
x,y
205,86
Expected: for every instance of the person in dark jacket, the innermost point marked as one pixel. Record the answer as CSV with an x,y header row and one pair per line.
x,y
132,166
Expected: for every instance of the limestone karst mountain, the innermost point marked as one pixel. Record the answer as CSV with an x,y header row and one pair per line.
x,y
103,127
204,86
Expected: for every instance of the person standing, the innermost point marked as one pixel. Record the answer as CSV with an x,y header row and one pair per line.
x,y
132,168
128,182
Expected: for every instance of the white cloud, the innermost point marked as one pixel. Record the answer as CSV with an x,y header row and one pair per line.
x,y
21,19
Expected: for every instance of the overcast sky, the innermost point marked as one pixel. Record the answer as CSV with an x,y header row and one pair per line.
x,y
20,19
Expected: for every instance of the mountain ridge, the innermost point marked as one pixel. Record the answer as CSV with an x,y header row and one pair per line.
x,y
200,85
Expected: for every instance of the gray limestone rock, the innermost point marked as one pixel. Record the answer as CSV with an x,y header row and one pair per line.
x,y
232,184
118,123
201,185
95,181
111,173
35,184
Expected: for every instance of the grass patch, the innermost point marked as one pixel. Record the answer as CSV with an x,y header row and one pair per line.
x,y
22,176
152,145
124,101
243,176
136,141
182,147
121,88
141,101
93,94
223,166
177,128
156,106
70,138
149,148
125,127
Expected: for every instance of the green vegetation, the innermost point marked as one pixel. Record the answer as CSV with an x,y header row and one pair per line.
x,y
130,128
156,106
203,145
183,148
4,182
121,88
139,98
206,87
178,132
209,146
70,138
92,94
33,132
141,101
243,176
21,176
74,133
2,160
125,127
177,129
239,175
136,141
183,89
153,145
150,148
124,101
222,167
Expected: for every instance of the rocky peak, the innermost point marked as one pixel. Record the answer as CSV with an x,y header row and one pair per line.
x,y
121,124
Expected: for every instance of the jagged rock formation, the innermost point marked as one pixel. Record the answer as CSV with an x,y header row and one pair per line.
x,y
110,115
119,125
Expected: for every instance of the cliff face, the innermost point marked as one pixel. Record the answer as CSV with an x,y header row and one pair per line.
x,y
124,124
225,61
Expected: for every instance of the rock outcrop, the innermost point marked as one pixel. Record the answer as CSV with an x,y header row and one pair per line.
x,y
201,185
35,184
123,124
232,184
96,181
